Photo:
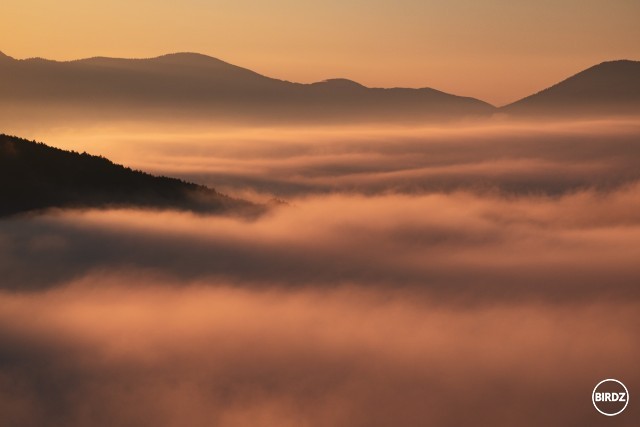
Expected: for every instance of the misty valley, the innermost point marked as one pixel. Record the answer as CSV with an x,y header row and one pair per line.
x,y
184,242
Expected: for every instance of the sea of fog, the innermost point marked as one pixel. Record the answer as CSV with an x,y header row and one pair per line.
x,y
479,274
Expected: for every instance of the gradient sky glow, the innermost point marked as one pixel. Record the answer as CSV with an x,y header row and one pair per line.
x,y
496,50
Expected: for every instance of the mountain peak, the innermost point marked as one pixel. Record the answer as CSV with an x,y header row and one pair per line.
x,y
188,57
616,62
611,87
340,83
623,66
178,58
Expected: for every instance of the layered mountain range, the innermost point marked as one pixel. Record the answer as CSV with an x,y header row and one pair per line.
x,y
197,86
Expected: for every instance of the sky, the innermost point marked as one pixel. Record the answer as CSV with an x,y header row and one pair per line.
x,y
496,50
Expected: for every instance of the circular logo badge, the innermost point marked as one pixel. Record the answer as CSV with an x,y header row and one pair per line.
x,y
610,397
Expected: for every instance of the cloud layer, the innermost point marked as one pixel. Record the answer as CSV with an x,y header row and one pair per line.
x,y
101,353
458,245
374,298
514,158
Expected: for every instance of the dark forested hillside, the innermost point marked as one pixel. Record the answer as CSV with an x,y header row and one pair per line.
x,y
35,176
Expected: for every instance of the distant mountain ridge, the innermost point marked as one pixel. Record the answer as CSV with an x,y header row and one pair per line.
x,y
34,176
611,87
192,85
198,85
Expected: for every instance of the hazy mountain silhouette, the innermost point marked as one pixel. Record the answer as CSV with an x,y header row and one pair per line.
x,y
193,84
610,88
35,176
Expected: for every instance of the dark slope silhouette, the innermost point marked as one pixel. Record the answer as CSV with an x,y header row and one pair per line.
x,y
35,176
191,84
610,88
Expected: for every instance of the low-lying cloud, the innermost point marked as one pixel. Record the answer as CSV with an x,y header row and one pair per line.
x,y
101,352
458,245
373,298
514,158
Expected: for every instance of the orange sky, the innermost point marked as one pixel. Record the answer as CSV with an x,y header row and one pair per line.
x,y
496,50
